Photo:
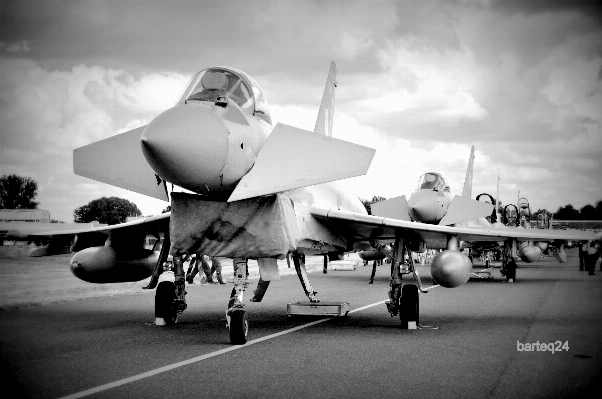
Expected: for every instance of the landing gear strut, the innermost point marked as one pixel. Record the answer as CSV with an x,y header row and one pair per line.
x,y
299,261
236,316
509,266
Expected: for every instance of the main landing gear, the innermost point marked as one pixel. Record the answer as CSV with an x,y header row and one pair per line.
x,y
408,308
403,300
509,265
165,311
239,327
509,270
170,297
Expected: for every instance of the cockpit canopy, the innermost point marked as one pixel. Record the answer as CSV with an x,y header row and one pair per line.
x,y
432,181
523,203
524,210
510,216
487,198
236,85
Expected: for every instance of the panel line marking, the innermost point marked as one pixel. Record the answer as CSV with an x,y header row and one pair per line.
x,y
173,366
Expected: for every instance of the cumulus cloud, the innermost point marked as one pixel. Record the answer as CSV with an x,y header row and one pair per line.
x,y
418,81
523,90
46,114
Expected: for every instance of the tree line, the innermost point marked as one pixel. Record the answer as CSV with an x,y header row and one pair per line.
x,y
18,192
569,212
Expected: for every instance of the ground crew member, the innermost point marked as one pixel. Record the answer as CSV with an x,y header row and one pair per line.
x,y
592,257
216,267
582,255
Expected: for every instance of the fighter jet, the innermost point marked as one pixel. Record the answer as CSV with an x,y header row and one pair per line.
x,y
519,216
433,203
258,191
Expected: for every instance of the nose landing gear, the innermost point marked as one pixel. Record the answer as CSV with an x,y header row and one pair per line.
x,y
236,317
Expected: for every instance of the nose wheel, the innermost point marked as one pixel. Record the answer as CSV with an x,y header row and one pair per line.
x,y
236,316
239,327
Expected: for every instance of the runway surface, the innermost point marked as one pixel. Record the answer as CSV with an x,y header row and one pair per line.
x,y
70,348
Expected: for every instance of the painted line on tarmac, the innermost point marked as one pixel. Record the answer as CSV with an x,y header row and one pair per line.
x,y
163,369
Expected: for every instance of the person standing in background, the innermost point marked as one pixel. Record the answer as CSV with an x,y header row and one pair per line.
x,y
592,257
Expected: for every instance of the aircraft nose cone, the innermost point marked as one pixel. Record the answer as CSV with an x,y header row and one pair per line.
x,y
424,206
187,145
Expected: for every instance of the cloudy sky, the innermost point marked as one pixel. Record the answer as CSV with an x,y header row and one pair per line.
x,y
419,81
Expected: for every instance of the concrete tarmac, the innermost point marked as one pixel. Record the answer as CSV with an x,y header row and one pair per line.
x,y
61,349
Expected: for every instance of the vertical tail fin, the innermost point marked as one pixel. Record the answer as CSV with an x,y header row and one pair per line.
x,y
324,122
497,202
467,191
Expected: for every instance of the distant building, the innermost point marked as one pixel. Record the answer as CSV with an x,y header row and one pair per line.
x,y
24,215
577,224
132,218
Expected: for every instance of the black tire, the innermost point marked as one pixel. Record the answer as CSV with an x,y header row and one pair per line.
x,y
239,327
164,299
409,310
511,270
